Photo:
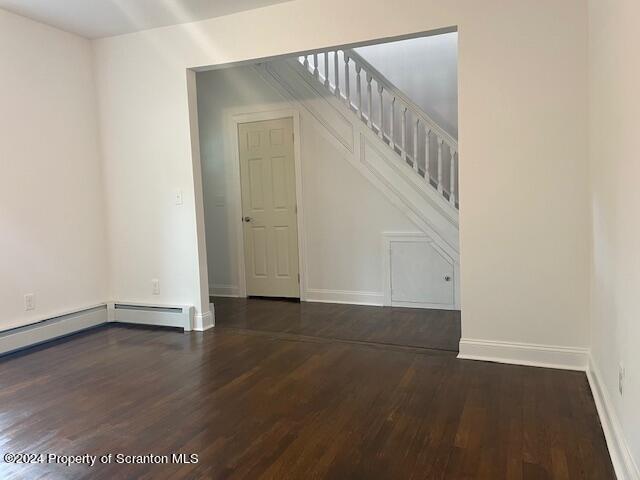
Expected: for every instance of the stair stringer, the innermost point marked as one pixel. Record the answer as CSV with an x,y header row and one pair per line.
x,y
340,104
366,152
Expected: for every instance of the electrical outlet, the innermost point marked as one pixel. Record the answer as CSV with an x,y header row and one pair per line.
x,y
155,286
29,301
621,378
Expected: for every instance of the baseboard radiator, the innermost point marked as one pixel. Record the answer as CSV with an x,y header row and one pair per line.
x,y
180,316
52,328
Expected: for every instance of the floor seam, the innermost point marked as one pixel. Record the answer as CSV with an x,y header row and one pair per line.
x,y
319,339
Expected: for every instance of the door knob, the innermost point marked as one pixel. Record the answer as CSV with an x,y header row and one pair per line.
x,y
247,219
447,278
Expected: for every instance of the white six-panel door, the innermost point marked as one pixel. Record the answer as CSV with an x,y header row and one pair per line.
x,y
268,184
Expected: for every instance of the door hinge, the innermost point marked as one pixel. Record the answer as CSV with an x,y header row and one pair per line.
x,y
298,278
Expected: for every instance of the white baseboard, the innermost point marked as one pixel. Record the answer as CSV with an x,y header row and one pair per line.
x,y
623,463
549,356
344,296
204,321
429,306
52,328
221,290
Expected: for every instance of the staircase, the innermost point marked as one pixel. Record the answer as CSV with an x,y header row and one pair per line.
x,y
403,126
399,149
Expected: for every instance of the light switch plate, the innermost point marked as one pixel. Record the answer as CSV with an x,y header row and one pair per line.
x,y
29,301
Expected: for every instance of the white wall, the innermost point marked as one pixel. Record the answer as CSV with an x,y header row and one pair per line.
x,y
218,93
615,171
344,215
52,240
523,135
426,70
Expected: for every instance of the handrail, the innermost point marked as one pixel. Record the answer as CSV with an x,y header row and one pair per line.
x,y
390,87
421,122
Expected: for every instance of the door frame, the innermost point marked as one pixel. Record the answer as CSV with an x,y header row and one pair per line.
x,y
258,113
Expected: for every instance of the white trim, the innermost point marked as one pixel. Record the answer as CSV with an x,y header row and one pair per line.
x,y
202,277
313,100
549,356
407,172
345,296
222,290
430,217
431,195
204,321
430,306
399,94
623,463
387,238
257,113
52,328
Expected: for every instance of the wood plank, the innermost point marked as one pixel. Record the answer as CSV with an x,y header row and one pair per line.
x,y
272,403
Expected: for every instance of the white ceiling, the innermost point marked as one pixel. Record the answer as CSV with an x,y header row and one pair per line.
x,y
104,18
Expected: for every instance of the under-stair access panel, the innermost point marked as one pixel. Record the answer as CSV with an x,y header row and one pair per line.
x,y
418,273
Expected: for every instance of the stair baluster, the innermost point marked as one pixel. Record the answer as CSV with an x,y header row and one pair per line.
x,y
326,69
369,101
347,92
359,90
452,187
391,124
415,146
381,126
336,75
421,122
427,153
440,141
403,133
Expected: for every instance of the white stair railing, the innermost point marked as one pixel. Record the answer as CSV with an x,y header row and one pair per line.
x,y
414,136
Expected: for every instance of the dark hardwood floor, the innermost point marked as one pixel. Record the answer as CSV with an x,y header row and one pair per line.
x,y
436,329
274,404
